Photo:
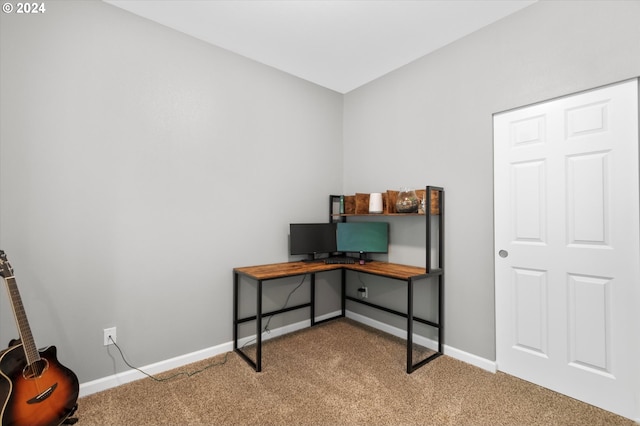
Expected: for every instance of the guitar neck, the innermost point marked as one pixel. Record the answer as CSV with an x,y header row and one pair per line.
x,y
30,350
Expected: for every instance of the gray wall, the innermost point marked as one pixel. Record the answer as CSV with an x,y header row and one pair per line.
x,y
138,167
431,123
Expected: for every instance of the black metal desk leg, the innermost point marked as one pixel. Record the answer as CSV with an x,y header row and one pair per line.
x,y
235,310
343,290
313,299
409,326
259,327
440,313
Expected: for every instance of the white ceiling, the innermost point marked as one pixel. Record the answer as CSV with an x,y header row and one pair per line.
x,y
338,44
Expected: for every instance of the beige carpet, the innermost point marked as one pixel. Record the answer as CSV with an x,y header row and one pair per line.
x,y
337,373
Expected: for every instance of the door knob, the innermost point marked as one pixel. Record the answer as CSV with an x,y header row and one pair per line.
x,y
503,253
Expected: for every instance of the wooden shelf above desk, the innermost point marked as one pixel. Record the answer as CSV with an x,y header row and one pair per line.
x,y
358,204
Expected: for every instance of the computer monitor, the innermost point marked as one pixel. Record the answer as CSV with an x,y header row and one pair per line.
x,y
362,237
312,238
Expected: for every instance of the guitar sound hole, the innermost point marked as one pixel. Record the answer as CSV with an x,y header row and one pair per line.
x,y
36,369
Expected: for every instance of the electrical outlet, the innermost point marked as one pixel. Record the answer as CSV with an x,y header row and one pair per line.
x,y
366,293
109,332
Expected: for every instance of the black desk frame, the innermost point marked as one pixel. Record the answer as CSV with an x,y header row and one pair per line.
x,y
257,364
411,367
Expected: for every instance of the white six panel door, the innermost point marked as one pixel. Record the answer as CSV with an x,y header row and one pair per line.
x,y
568,246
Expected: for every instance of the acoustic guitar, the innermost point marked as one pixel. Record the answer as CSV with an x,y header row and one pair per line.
x,y
35,389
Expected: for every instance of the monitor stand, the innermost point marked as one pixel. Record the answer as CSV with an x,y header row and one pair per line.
x,y
311,258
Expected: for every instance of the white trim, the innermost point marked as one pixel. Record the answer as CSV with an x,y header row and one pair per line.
x,y
118,379
286,329
458,354
469,358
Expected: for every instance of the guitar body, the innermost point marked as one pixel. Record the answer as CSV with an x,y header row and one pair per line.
x,y
45,398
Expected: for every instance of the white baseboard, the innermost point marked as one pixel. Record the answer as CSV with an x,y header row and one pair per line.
x,y
118,379
472,359
458,354
286,329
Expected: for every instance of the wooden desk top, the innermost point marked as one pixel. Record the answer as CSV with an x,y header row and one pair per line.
x,y
288,269
391,270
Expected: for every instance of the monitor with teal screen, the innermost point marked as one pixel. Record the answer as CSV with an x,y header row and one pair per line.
x,y
362,237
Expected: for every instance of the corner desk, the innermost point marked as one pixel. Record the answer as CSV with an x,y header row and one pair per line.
x,y
394,271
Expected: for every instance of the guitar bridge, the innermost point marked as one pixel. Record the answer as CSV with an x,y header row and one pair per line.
x,y
44,395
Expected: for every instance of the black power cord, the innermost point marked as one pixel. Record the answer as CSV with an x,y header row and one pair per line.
x,y
226,355
286,302
164,379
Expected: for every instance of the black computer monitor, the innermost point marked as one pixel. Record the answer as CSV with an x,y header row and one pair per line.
x,y
362,237
312,238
